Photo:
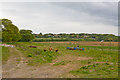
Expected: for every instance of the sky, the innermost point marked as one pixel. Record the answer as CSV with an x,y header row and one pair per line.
x,y
63,17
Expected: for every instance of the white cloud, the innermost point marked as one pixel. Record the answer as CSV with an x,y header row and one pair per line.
x,y
62,17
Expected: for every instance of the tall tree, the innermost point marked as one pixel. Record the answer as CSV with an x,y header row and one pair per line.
x,y
26,35
40,35
10,32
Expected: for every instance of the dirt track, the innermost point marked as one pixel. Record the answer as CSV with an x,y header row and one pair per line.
x,y
89,43
13,69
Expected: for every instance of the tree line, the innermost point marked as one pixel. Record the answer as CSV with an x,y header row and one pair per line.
x,y
10,33
76,37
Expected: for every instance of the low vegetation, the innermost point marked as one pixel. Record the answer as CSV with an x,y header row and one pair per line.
x,y
5,54
97,71
75,37
37,56
103,64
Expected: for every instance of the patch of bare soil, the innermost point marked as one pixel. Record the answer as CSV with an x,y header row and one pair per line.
x,y
11,63
70,58
21,70
15,62
100,62
84,58
87,43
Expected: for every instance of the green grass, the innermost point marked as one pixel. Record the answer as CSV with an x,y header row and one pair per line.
x,y
0,53
99,54
43,57
97,71
37,54
5,54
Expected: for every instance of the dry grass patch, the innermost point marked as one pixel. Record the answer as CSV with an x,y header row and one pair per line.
x,y
68,59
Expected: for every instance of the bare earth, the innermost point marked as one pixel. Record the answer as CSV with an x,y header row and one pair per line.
x,y
19,69
89,43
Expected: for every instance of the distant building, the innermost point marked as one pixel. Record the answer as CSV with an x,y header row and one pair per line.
x,y
85,36
102,40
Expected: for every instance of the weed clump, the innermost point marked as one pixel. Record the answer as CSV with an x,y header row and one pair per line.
x,y
96,70
38,55
29,55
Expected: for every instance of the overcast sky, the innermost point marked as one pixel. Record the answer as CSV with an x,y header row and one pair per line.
x,y
63,17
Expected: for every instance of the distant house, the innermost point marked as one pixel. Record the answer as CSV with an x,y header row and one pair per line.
x,y
49,35
85,36
57,35
102,40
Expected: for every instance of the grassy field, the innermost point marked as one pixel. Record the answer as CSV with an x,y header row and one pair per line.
x,y
5,54
103,62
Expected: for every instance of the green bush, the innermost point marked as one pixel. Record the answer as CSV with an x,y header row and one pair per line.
x,y
30,55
